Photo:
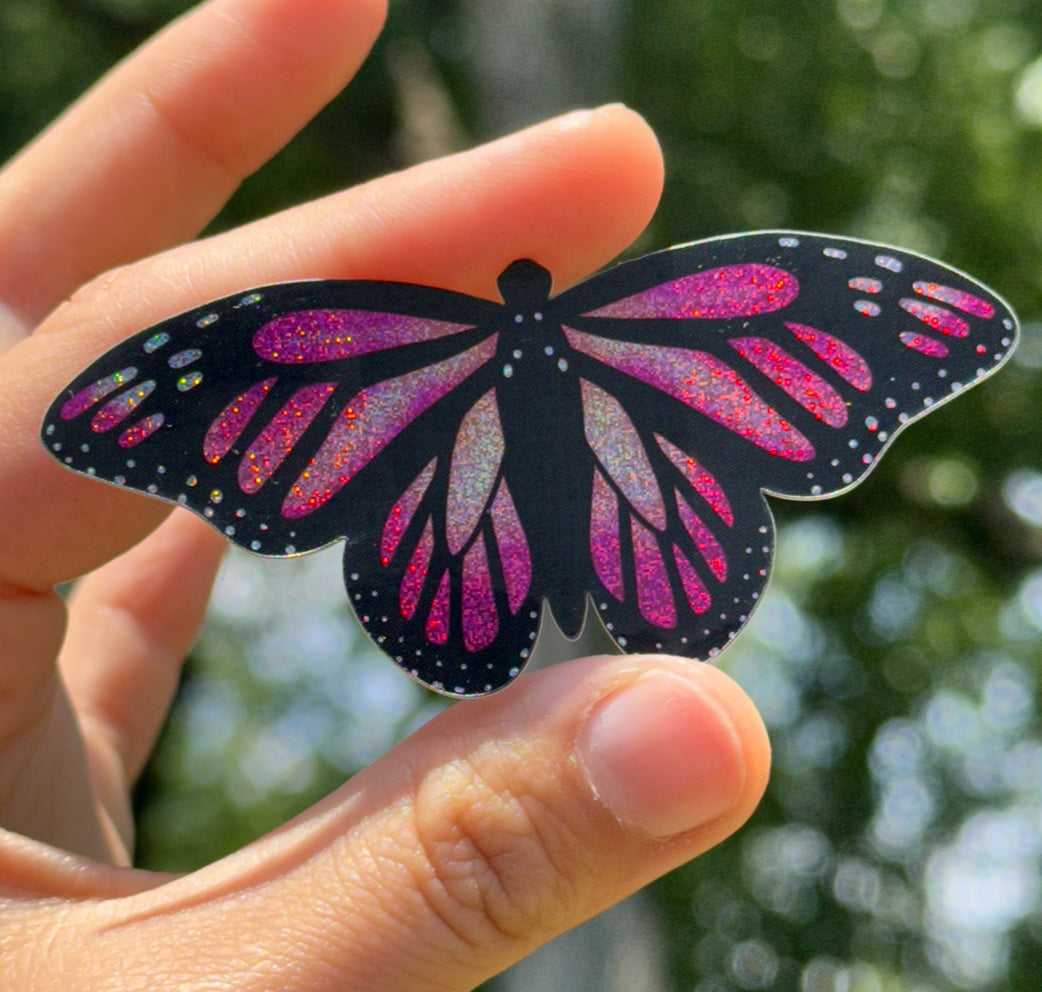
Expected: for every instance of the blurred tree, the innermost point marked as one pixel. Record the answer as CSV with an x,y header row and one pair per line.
x,y
895,656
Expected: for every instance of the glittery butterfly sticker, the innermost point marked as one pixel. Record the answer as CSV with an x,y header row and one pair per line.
x,y
484,462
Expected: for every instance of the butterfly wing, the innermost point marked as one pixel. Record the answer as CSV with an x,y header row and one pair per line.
x,y
710,373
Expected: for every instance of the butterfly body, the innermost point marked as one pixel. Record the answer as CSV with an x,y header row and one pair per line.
x,y
482,461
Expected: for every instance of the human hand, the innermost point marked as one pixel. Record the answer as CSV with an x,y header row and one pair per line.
x,y
500,823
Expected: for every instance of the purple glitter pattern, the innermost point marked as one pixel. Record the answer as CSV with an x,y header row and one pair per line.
x,y
416,573
475,464
480,623
514,556
694,588
938,318
402,512
617,445
307,336
808,389
654,596
924,344
144,428
270,448
232,420
708,546
839,356
703,482
373,419
705,384
95,392
604,536
116,411
966,302
715,294
437,628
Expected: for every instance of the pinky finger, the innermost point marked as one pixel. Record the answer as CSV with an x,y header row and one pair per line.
x,y
131,623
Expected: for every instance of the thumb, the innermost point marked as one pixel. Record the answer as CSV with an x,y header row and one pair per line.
x,y
499,824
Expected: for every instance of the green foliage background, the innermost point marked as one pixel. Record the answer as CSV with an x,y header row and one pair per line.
x,y
896,657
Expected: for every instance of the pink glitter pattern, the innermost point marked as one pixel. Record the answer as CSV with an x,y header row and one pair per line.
x,y
416,572
937,318
116,411
924,344
809,390
707,545
604,536
329,335
966,302
371,420
703,482
438,617
865,284
232,421
841,357
514,556
694,588
270,448
654,596
704,383
402,512
94,393
480,623
617,445
136,433
716,294
475,464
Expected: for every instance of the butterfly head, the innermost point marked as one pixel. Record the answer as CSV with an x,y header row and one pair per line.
x,y
524,283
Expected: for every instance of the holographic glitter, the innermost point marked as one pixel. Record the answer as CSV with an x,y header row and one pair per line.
x,y
966,302
616,443
704,383
701,480
924,344
232,420
604,536
480,623
808,389
716,294
867,308
416,572
189,381
938,318
94,393
402,512
475,465
889,262
155,342
707,545
371,420
330,335
183,359
514,556
136,433
694,588
654,596
841,357
865,284
270,448
438,619
116,411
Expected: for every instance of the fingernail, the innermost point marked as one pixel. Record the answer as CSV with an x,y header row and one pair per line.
x,y
662,755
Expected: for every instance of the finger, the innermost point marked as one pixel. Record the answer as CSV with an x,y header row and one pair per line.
x,y
154,151
131,623
498,825
570,193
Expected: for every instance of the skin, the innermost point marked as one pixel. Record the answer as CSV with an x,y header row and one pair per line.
x,y
497,825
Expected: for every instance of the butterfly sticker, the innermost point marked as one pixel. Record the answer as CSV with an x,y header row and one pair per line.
x,y
485,462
